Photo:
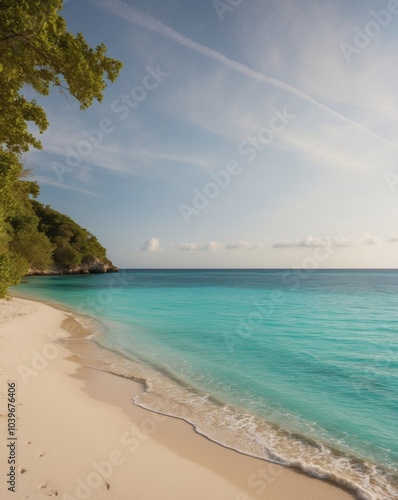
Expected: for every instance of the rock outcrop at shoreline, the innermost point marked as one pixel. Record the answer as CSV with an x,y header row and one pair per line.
x,y
95,267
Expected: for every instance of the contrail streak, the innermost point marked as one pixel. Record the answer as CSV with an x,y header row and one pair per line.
x,y
135,16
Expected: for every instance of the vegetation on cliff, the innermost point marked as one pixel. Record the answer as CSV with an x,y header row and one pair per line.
x,y
37,51
73,246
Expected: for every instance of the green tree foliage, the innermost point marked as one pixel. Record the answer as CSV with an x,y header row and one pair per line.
x,y
12,265
12,268
35,247
37,51
73,245
10,172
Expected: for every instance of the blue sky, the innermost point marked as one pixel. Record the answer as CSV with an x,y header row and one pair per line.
x,y
239,134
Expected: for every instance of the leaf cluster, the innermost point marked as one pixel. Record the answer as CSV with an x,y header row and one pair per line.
x,y
36,50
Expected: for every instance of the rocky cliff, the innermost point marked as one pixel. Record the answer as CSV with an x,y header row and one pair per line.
x,y
95,267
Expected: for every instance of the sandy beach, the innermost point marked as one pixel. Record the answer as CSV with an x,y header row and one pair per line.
x,y
79,436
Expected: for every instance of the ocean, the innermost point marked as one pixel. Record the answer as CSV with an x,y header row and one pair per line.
x,y
298,367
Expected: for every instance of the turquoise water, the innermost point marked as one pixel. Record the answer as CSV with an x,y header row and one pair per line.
x,y
300,367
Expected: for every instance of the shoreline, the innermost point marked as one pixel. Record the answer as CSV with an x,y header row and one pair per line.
x,y
190,465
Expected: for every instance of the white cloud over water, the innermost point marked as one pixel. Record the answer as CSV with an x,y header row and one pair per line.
x,y
209,246
243,245
151,245
212,246
331,241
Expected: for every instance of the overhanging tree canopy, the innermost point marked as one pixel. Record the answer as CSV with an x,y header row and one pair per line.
x,y
37,51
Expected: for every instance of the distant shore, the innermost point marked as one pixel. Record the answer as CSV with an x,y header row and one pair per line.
x,y
79,435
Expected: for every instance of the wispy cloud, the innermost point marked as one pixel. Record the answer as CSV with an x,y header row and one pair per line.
x,y
339,146
394,238
243,245
48,182
151,245
169,156
215,102
331,241
143,159
212,246
152,24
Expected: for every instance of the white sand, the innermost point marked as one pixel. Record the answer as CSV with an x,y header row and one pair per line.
x,y
80,437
